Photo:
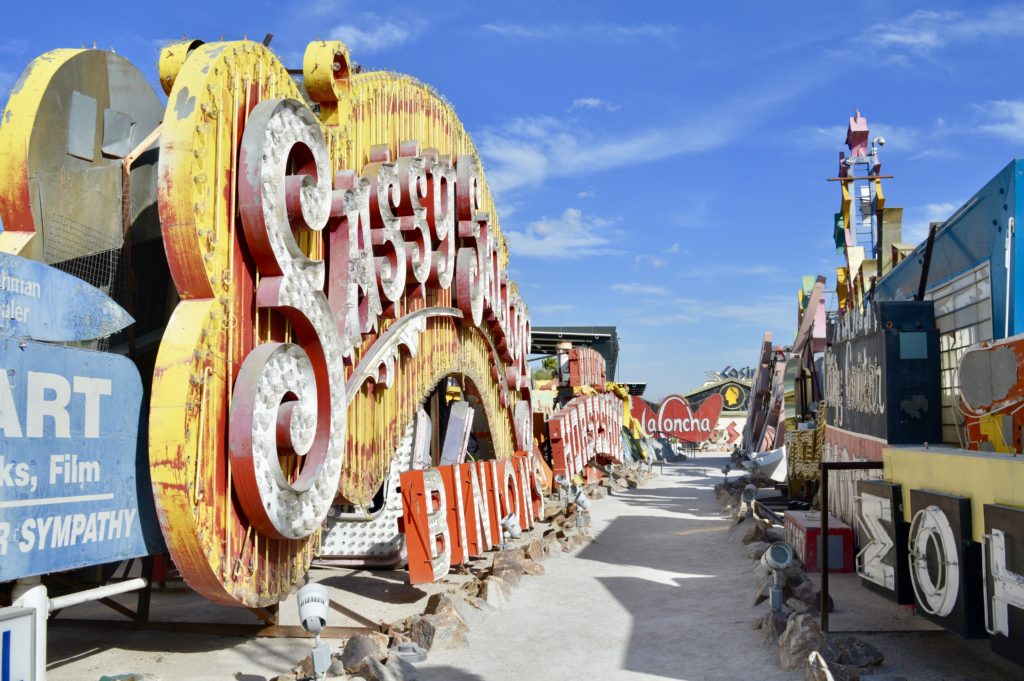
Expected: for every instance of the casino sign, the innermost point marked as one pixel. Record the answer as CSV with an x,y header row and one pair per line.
x,y
714,414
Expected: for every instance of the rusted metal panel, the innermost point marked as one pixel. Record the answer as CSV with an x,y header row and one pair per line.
x,y
61,198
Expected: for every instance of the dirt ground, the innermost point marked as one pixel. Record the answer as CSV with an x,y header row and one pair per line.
x,y
663,592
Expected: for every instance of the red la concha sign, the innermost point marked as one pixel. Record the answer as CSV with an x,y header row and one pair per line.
x,y
675,418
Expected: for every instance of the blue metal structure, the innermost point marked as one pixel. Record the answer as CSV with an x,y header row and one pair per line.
x,y
976,233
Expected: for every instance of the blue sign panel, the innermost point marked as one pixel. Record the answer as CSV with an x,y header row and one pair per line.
x,y
40,302
74,481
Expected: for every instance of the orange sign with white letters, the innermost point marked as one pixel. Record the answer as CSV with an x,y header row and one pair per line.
x,y
452,513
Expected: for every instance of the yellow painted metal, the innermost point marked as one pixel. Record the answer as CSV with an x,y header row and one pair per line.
x,y
378,417
845,205
325,74
983,477
389,108
211,330
172,56
854,260
842,286
879,198
991,427
216,324
18,195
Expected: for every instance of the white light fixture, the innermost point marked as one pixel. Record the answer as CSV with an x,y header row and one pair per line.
x,y
578,496
510,524
313,602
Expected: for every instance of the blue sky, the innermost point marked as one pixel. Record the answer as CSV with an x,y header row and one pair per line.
x,y
658,166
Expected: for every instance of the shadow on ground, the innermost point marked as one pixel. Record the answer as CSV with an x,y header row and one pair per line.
x,y
658,646
707,607
652,542
446,673
68,644
387,586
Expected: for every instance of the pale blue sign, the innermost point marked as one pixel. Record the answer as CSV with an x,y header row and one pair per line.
x,y
74,475
43,303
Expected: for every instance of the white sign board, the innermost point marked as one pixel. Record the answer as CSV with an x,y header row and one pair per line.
x,y
17,644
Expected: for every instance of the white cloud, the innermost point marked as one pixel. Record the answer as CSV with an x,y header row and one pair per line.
x,y
570,235
528,151
379,35
919,30
652,260
763,312
923,31
644,289
554,308
1005,119
897,137
674,248
613,32
731,270
593,103
915,230
585,194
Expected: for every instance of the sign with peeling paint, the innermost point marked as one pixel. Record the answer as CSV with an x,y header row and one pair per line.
x,y
335,252
72,492
331,269
453,513
43,303
586,431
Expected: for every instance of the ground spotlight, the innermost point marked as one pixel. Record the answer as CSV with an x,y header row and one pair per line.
x,y
777,558
578,496
510,524
313,602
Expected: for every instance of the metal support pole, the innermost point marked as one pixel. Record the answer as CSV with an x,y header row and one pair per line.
x,y
926,265
145,595
61,602
823,537
826,467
